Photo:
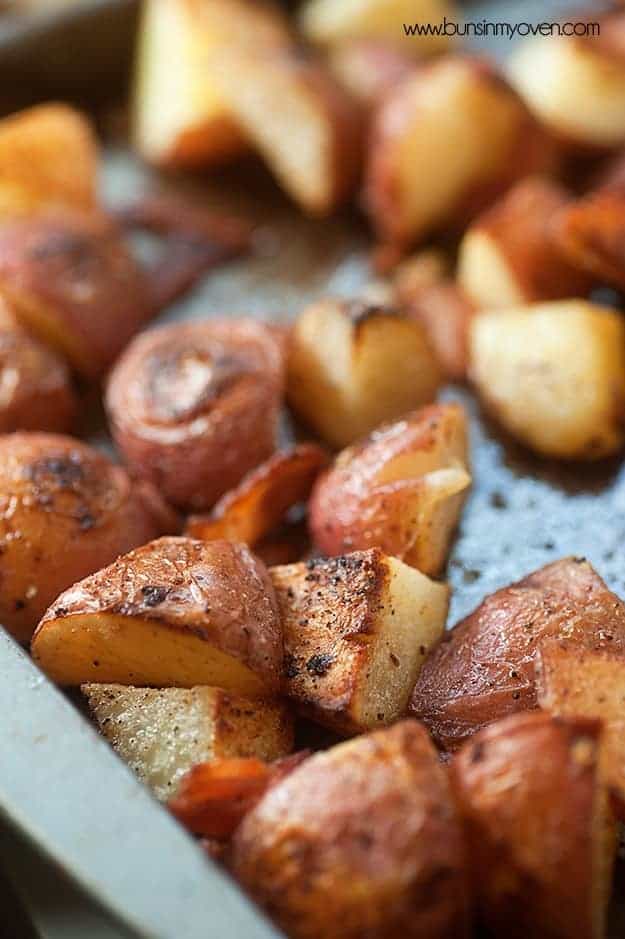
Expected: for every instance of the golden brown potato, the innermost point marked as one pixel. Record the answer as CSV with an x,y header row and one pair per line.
x,y
353,365
175,612
539,837
356,630
591,233
553,375
444,143
509,255
72,282
194,406
298,118
401,489
263,497
445,312
162,732
335,21
484,668
65,511
573,682
48,159
362,840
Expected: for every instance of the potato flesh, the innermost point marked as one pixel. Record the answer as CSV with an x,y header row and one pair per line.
x,y
162,732
133,651
485,274
554,375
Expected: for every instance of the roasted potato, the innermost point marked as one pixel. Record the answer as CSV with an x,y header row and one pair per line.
x,y
401,489
445,311
194,406
368,68
263,497
574,682
553,375
484,668
361,840
591,233
356,630
162,732
335,21
65,511
539,836
48,159
353,365
509,256
444,142
71,281
175,612
426,268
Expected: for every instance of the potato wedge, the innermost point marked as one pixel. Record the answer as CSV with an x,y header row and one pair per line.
x,y
361,840
539,835
484,668
590,232
356,630
65,511
162,732
353,365
553,375
574,682
48,159
263,497
175,612
445,142
401,489
509,255
335,21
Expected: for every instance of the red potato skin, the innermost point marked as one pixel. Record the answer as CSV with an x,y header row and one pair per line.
x,y
591,233
527,790
445,313
194,406
484,668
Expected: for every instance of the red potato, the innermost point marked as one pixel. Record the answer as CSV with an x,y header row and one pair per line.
x,y
263,497
401,489
590,232
540,838
65,511
444,143
368,68
194,406
509,255
484,668
361,840
445,312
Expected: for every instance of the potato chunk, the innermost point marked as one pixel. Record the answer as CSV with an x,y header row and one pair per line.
x,y
162,732
591,232
540,840
401,489
353,365
509,255
484,668
361,840
574,682
553,374
356,630
174,612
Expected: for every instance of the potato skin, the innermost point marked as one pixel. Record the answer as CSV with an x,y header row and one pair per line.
x,y
71,281
361,840
65,511
215,590
528,790
194,406
591,230
484,668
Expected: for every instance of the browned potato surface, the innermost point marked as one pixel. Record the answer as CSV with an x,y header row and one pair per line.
x,y
356,630
362,840
48,158
72,282
553,375
509,255
354,364
444,311
175,612
484,668
539,839
65,511
591,233
162,732
194,406
401,489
